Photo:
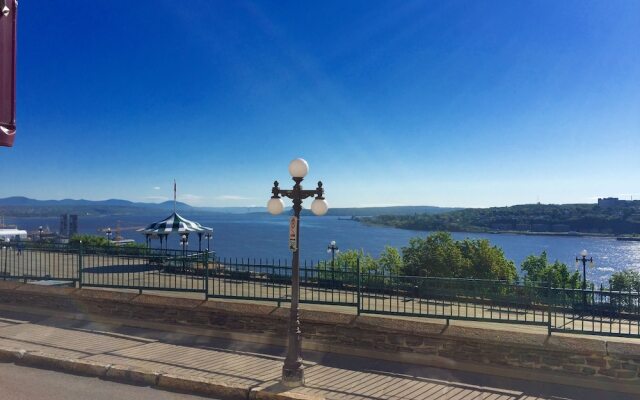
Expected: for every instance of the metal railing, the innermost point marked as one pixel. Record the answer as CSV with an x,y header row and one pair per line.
x,y
270,280
601,312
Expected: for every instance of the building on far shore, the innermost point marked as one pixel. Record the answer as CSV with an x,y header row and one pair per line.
x,y
10,235
611,202
68,225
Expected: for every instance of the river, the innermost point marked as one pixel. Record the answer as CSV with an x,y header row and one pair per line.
x,y
264,236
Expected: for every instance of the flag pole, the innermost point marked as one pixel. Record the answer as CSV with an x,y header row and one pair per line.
x,y
174,196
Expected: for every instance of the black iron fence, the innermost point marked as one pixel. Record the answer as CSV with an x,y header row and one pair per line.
x,y
602,312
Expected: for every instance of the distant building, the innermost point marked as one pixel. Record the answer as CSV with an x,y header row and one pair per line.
x,y
609,202
64,225
73,225
8,235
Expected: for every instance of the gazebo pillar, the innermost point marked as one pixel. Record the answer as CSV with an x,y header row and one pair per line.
x,y
200,242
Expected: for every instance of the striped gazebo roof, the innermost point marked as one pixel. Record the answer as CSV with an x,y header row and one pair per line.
x,y
174,223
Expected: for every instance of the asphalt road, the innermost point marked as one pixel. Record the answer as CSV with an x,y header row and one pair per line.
x,y
23,383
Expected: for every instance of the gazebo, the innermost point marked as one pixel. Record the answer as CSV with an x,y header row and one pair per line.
x,y
175,223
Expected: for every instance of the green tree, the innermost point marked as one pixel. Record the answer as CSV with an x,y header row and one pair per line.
x,y
99,241
439,255
436,255
89,240
485,261
539,271
625,281
349,260
390,261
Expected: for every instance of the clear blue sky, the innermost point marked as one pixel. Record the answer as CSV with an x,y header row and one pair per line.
x,y
450,103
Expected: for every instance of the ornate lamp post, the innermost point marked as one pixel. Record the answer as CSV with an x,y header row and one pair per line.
x,y
293,370
333,249
108,234
583,258
40,232
184,241
208,236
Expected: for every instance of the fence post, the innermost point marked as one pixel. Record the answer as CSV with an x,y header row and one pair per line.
x,y
206,273
6,252
358,280
80,265
549,309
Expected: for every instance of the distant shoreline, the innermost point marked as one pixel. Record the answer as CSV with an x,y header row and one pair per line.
x,y
523,233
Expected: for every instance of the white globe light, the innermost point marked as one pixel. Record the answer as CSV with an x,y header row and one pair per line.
x,y
319,207
275,206
584,253
298,168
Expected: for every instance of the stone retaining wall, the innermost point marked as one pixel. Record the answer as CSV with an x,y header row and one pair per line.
x,y
542,357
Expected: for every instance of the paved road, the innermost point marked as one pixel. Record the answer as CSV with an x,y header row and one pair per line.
x,y
23,383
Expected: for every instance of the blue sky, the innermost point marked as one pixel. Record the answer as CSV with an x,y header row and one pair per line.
x,y
456,103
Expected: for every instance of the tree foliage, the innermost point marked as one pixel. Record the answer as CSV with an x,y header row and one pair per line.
x,y
624,281
439,255
538,270
100,241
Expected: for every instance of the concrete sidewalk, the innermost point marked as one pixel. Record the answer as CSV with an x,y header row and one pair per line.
x,y
207,366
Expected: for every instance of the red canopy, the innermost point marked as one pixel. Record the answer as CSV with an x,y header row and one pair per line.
x,y
8,19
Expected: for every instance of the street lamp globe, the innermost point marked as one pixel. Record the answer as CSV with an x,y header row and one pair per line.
x,y
298,168
333,243
319,207
584,253
275,206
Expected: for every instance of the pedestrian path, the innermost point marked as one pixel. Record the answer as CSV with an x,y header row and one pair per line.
x,y
252,365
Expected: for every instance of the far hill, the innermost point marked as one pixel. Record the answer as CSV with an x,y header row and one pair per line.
x,y
25,207
624,218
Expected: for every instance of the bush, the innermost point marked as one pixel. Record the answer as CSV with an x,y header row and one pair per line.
x,y
540,272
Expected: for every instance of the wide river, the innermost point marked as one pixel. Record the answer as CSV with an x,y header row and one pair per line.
x,y
264,236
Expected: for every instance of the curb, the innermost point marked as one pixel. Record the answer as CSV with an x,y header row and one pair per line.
x,y
140,376
43,360
203,386
275,390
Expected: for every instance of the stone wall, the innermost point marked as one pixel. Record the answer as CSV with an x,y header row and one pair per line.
x,y
530,355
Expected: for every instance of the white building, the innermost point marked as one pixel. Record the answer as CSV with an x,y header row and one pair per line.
x,y
9,235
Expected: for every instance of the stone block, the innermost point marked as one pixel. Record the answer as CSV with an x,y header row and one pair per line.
x,y
134,375
203,386
234,308
9,285
414,341
596,362
104,296
173,303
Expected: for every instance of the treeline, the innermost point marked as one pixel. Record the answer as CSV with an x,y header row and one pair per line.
x,y
585,218
440,255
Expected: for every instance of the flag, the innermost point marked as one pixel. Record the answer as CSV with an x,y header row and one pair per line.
x,y
8,12
174,195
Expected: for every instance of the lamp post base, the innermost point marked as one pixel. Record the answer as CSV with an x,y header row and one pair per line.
x,y
293,377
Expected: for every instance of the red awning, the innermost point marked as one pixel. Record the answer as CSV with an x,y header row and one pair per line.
x,y
8,20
